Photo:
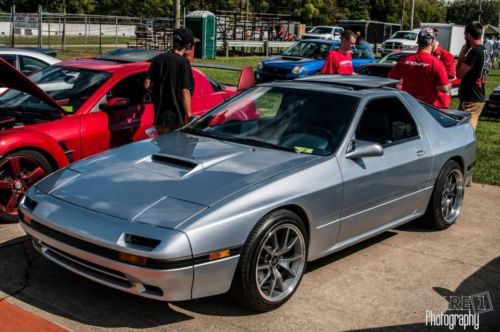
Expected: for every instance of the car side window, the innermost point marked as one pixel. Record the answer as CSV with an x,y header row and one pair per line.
x,y
130,87
11,59
31,65
386,121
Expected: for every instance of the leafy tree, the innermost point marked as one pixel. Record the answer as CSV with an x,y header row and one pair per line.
x,y
464,11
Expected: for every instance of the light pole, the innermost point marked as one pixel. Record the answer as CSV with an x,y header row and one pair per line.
x,y
412,13
480,4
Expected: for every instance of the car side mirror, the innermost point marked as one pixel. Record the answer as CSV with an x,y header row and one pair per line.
x,y
360,149
115,104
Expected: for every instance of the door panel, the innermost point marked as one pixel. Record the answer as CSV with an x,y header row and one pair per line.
x,y
379,190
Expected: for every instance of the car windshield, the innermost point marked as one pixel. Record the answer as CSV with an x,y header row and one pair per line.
x,y
321,30
405,35
69,87
316,50
291,119
391,58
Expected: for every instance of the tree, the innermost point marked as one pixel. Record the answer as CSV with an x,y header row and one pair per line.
x,y
464,11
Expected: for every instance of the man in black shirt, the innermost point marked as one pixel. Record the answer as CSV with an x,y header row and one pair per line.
x,y
472,68
171,82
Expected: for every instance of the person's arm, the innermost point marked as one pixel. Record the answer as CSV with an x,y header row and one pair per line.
x,y
328,66
464,61
449,63
187,83
186,102
443,84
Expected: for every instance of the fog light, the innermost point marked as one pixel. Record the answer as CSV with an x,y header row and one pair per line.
x,y
132,259
218,254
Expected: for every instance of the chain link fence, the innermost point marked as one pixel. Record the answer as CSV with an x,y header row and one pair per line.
x,y
77,33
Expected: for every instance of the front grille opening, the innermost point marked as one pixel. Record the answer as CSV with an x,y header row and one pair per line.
x,y
153,290
29,203
88,271
141,242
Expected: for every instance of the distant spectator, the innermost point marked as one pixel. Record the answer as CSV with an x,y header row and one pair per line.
x,y
422,75
472,68
339,61
488,46
363,48
496,52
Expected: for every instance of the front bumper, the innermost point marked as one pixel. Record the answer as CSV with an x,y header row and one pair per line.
x,y
185,282
266,76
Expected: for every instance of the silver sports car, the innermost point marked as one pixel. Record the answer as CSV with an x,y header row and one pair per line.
x,y
243,197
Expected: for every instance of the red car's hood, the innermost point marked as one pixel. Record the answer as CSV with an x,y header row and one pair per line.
x,y
11,78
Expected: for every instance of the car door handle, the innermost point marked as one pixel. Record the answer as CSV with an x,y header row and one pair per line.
x,y
420,152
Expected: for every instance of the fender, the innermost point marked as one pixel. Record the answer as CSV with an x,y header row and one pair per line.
x,y
25,139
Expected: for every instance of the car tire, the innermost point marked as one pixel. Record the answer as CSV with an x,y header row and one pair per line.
x,y
272,262
33,166
447,197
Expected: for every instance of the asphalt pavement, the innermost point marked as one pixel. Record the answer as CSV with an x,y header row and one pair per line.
x,y
387,283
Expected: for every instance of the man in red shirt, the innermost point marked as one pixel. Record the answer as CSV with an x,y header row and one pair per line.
x,y
422,75
339,61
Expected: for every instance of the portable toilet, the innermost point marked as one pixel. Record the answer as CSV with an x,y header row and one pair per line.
x,y
203,24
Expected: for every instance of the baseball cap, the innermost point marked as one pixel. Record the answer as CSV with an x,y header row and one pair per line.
x,y
184,36
426,36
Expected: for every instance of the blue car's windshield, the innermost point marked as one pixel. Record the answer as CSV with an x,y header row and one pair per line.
x,y
297,120
307,49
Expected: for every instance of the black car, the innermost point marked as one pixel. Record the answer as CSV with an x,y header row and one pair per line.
x,y
492,106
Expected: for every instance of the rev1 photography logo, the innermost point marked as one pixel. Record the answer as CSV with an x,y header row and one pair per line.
x,y
463,311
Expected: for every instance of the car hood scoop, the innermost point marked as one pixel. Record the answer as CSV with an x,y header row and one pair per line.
x,y
173,172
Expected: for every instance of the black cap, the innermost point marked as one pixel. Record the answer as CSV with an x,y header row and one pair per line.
x,y
184,36
426,36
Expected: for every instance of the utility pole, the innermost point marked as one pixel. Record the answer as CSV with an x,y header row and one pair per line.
x,y
412,13
177,13
480,5
403,15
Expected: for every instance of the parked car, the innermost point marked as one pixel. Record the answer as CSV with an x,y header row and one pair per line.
x,y
243,197
387,62
75,109
323,32
26,61
304,58
400,41
492,106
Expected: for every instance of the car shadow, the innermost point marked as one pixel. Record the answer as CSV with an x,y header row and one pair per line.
x,y
483,284
32,279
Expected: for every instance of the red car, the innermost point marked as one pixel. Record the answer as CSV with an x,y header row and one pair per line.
x,y
75,109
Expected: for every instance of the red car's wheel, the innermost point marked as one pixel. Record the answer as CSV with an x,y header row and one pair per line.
x,y
18,171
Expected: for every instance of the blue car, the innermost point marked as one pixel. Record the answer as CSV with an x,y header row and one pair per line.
x,y
304,58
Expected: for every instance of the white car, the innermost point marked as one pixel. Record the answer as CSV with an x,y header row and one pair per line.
x,y
26,61
323,32
405,40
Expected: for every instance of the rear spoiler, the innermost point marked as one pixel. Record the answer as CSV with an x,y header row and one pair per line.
x,y
460,116
247,79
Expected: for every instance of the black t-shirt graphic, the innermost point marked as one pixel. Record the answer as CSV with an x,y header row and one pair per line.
x,y
170,73
472,84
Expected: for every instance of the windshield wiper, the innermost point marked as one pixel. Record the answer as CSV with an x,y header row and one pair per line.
x,y
251,141
199,132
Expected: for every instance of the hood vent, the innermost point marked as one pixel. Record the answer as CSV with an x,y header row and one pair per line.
x,y
174,161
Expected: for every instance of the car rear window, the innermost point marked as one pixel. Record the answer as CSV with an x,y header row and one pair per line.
x,y
444,119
